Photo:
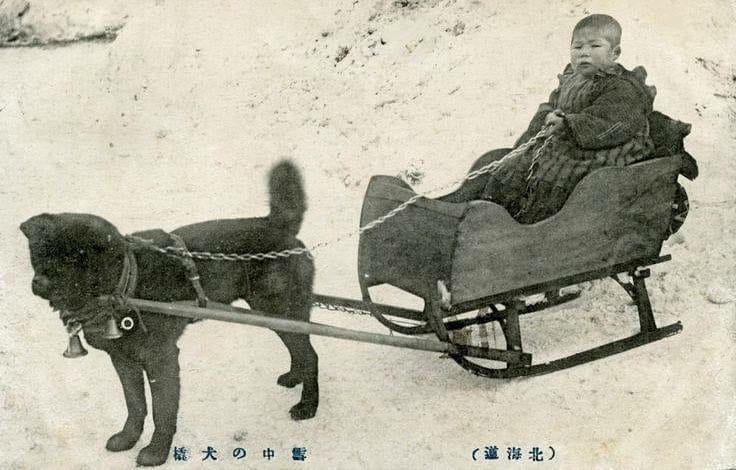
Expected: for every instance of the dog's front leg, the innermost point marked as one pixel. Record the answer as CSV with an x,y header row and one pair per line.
x,y
162,369
131,377
304,368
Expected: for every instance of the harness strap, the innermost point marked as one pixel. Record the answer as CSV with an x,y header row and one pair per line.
x,y
191,268
125,288
129,277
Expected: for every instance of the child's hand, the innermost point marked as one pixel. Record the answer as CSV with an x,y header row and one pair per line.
x,y
554,121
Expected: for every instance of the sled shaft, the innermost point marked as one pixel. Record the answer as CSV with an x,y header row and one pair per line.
x,y
229,313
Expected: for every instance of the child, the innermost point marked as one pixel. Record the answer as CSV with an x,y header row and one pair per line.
x,y
596,117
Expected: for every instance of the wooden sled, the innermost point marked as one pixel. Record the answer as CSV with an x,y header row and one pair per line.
x,y
462,256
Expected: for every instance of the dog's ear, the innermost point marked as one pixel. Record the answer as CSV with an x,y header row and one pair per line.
x,y
39,226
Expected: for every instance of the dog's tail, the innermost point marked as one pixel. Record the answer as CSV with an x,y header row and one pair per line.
x,y
288,200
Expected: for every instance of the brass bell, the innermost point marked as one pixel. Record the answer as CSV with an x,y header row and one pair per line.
x,y
111,329
75,348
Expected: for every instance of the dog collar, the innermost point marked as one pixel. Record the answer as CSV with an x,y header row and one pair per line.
x,y
93,310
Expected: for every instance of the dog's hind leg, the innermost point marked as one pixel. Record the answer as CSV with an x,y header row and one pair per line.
x,y
131,377
162,369
284,290
304,369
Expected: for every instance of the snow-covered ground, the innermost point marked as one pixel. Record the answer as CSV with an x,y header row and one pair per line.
x,y
179,119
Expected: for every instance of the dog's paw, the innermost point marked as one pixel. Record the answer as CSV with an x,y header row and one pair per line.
x,y
303,410
122,441
289,380
151,456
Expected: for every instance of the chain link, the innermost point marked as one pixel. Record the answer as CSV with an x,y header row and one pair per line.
x,y
354,311
470,176
271,255
340,308
206,255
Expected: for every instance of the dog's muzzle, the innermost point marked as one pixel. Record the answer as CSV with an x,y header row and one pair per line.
x,y
41,286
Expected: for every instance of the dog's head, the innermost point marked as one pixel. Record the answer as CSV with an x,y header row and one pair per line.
x,y
75,258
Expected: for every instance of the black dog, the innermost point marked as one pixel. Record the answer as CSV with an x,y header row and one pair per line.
x,y
78,257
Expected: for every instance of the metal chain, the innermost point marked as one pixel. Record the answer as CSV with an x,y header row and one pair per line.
x,y
535,161
470,176
340,308
353,311
485,169
206,255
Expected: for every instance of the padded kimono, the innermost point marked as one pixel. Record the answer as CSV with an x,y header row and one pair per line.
x,y
605,124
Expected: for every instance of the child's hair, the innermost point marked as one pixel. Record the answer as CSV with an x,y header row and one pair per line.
x,y
606,25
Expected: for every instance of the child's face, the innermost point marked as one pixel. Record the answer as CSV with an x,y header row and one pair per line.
x,y
591,52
